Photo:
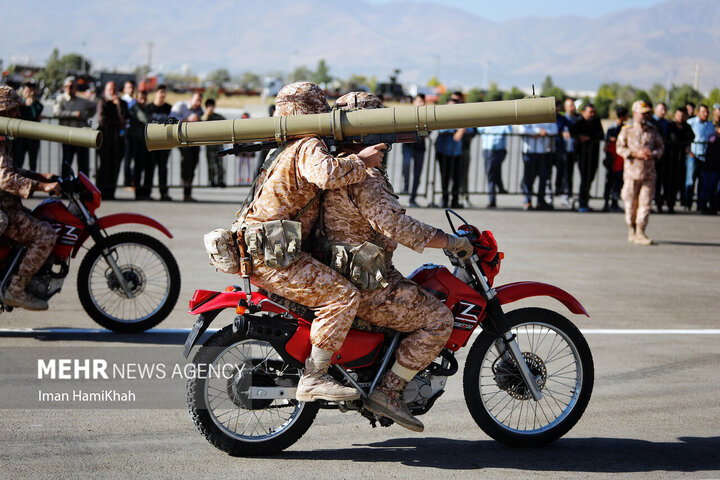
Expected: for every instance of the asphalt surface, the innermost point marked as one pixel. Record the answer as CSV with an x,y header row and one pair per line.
x,y
654,411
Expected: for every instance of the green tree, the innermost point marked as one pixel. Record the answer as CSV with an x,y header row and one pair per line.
x,y
57,68
321,75
475,95
219,77
658,94
604,100
353,83
75,62
250,81
642,95
679,96
301,74
513,94
714,97
493,93
433,82
549,89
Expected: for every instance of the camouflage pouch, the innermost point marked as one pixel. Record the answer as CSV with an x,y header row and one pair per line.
x,y
222,249
279,242
364,265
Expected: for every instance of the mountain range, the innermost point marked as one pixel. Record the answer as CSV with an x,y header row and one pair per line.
x,y
660,44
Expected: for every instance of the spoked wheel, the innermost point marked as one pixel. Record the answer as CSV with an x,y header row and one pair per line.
x,y
497,397
246,405
150,274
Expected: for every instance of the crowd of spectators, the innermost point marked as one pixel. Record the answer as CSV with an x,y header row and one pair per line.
x,y
688,170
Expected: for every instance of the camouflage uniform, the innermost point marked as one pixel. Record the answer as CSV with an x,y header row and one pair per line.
x,y
369,211
38,236
638,174
303,169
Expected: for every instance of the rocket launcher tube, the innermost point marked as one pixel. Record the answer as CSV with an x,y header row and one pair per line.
x,y
81,137
343,125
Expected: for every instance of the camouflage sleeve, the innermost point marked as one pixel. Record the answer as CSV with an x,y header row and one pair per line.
x,y
317,166
12,182
380,207
621,146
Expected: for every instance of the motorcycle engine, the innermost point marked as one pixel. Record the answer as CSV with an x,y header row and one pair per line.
x,y
49,280
423,388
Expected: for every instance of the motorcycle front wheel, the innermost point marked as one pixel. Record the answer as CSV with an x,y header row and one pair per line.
x,y
496,395
227,404
150,273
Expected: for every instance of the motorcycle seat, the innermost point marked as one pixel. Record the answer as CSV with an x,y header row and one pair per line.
x,y
306,313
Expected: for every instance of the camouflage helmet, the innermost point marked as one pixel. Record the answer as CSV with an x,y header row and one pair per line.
x,y
639,106
300,98
353,100
9,99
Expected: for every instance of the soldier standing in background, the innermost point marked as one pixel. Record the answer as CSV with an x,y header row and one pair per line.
x,y
587,133
368,213
158,111
287,189
112,117
216,172
31,109
640,145
37,236
74,111
188,111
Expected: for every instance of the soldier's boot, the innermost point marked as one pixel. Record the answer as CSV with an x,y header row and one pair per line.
x,y
16,296
387,401
631,233
641,238
316,384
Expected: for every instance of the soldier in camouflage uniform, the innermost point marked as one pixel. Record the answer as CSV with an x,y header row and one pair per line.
x,y
640,144
301,171
37,236
369,211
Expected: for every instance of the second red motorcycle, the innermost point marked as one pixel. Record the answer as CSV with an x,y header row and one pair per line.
x,y
127,282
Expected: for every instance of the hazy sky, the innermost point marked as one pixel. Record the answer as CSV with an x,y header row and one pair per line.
x,y
499,10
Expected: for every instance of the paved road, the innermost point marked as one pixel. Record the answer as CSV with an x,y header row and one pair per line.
x,y
654,411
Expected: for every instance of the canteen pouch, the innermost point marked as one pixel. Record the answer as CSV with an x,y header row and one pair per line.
x,y
222,249
277,243
364,265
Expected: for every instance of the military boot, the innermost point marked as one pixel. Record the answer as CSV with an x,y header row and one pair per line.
x,y
641,238
316,384
631,233
387,401
16,296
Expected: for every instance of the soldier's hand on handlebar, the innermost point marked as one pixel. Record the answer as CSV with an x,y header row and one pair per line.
x,y
372,155
52,188
459,246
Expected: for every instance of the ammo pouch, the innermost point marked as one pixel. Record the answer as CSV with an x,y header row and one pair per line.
x,y
276,243
364,265
222,248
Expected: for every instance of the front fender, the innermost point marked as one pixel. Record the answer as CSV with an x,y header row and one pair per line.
x,y
121,219
519,290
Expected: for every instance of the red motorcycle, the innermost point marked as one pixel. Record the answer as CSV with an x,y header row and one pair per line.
x,y
527,379
127,282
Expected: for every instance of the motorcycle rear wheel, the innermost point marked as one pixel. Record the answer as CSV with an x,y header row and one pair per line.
x,y
149,269
497,397
233,422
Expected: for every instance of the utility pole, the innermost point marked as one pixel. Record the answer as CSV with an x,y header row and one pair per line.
x,y
696,83
149,60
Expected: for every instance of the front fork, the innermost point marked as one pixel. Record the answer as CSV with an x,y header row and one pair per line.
x,y
99,239
506,345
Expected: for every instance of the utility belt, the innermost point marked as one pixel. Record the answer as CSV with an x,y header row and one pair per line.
x,y
276,243
363,265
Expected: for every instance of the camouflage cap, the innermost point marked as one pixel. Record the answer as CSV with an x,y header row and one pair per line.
x,y
300,98
9,98
639,106
353,100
